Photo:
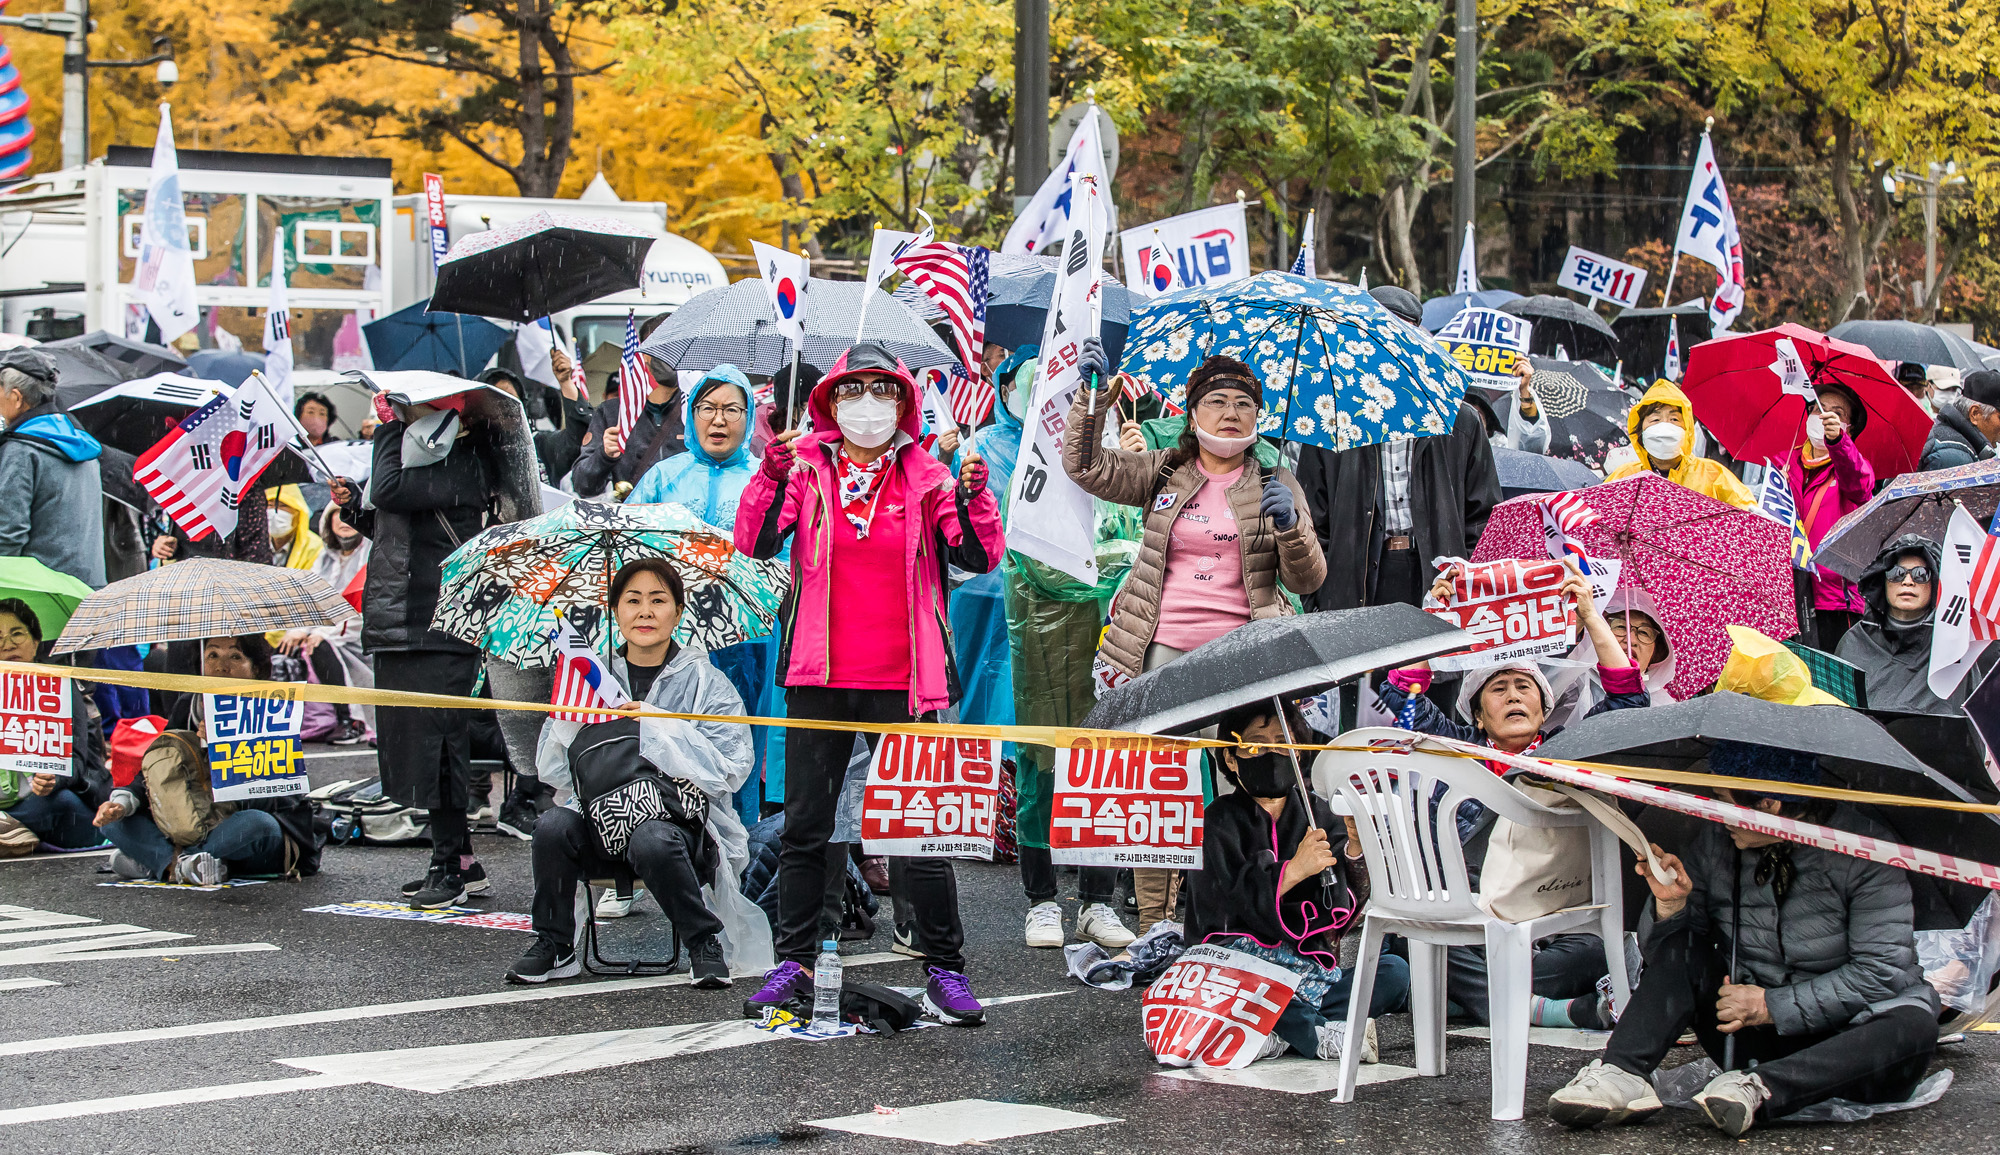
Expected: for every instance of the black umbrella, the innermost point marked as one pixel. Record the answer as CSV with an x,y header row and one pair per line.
x,y
1523,473
1292,657
1561,322
1567,388
1909,341
83,373
132,416
539,266
138,358
1642,336
1855,753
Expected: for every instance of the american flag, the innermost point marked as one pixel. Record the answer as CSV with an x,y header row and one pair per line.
x,y
1133,388
970,397
1572,513
200,471
955,278
581,680
635,381
1985,587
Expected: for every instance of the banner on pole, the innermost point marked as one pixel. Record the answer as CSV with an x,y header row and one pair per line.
x,y
36,728
1488,345
1127,808
1208,246
253,747
440,224
1214,1007
1599,276
931,797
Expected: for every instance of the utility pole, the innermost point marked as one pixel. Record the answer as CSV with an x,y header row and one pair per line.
x,y
73,25
1465,78
1031,98
1936,177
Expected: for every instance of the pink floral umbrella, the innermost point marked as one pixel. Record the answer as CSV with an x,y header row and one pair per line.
x,y
1707,565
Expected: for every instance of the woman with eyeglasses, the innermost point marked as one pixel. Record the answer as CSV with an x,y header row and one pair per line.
x,y
874,523
1222,532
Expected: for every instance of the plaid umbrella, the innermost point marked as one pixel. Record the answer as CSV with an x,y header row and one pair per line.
x,y
1843,680
1706,564
502,589
202,598
50,595
733,325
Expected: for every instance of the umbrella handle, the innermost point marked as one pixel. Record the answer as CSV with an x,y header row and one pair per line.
x,y
1326,878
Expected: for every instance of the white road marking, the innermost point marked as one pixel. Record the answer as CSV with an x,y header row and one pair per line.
x,y
89,939
116,1104
1292,1074
15,917
23,984
962,1121
1566,1037
375,1011
49,934
80,952
47,856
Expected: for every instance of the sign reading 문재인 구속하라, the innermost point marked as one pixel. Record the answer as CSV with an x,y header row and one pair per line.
x,y
253,747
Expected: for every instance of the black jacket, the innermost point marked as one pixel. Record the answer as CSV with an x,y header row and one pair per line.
x,y
1453,489
558,449
1895,658
659,433
1953,441
1236,889
420,517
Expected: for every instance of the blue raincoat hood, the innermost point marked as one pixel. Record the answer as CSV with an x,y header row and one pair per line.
x,y
734,376
64,435
708,487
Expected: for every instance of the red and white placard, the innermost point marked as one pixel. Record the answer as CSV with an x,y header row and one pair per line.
x,y
1214,1007
36,728
931,797
1127,808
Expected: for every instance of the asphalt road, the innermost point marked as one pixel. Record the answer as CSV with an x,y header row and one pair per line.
x,y
169,1065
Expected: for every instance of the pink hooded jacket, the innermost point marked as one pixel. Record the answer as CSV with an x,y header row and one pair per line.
x,y
961,532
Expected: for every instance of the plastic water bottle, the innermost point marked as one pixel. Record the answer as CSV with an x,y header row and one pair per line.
x,y
826,989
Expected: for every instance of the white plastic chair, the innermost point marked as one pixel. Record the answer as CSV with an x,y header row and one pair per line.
x,y
1419,889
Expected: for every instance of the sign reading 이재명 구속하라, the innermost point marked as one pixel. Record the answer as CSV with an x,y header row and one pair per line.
x,y
36,727
1126,808
931,796
253,747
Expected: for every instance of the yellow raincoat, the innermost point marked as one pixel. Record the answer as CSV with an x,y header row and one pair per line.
x,y
1700,474
305,546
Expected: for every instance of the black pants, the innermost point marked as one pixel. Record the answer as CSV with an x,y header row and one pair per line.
x,y
810,862
425,754
1038,878
326,667
1879,1061
1399,577
1567,966
567,851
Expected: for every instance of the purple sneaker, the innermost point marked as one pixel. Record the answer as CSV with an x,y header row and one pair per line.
x,y
949,997
788,982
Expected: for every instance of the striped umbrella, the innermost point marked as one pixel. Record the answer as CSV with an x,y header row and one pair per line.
x,y
202,598
733,325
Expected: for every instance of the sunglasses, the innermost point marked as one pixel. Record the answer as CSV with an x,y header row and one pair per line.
x,y
1921,574
887,390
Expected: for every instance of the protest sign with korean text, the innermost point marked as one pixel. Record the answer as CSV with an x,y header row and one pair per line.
x,y
253,747
1514,607
1214,1007
1599,276
36,727
1127,808
931,797
1488,344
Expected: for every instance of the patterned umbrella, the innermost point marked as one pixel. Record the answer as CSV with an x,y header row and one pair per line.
x,y
1338,369
1706,564
733,325
501,589
1913,503
202,598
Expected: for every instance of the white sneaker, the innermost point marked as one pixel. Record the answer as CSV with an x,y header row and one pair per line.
x,y
1045,927
200,869
1603,1094
1272,1048
614,905
127,867
1333,1042
1099,924
1731,1100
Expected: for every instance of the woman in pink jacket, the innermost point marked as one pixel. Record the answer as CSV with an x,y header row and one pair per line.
x,y
1826,486
875,522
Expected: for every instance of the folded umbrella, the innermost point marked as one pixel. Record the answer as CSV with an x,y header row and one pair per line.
x,y
734,325
51,594
1855,753
1910,341
412,338
540,265
1737,393
1918,503
1523,473
202,598
1338,369
1706,564
1562,324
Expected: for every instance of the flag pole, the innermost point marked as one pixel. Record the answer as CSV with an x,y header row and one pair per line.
x,y
299,435
1667,293
792,401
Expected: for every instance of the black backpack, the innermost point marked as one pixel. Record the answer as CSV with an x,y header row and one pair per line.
x,y
884,1009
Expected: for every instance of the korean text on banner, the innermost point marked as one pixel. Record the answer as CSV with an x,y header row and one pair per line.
x,y
1488,344
253,747
1515,608
1601,277
931,797
1127,808
1208,246
36,728
440,226
1214,1007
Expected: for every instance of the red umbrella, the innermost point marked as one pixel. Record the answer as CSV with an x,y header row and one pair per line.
x,y
1707,565
1739,396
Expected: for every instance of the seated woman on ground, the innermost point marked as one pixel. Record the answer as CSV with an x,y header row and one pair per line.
x,y
55,807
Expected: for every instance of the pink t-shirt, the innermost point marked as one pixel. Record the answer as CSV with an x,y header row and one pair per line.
x,y
1203,596
869,639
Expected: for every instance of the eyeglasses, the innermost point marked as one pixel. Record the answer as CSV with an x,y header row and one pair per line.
x,y
887,390
1224,405
1920,574
707,412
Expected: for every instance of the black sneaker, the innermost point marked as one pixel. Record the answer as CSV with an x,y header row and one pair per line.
x,y
904,941
476,881
543,961
348,733
711,973
411,887
518,816
443,888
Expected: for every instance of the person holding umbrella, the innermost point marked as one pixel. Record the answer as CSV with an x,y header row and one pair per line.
x,y
1662,429
1829,477
1804,959
877,523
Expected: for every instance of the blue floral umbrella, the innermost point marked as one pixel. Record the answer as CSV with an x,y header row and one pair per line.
x,y
1338,369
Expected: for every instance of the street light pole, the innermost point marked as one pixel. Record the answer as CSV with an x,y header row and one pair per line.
x,y
1465,77
1031,98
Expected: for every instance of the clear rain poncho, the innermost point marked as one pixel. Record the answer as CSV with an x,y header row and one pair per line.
x,y
713,755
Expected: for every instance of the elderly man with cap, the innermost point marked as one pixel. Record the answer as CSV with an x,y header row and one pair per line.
x,y
1805,957
53,507
1383,511
1967,427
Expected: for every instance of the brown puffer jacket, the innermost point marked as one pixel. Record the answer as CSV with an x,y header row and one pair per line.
x,y
1269,554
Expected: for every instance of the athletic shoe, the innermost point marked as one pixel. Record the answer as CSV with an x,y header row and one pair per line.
x,y
416,884
711,973
443,888
348,733
948,997
543,961
615,905
476,881
788,983
1045,927
1603,1094
904,941
1731,1100
518,816
1098,924
478,812
1272,1048
1333,1041
199,869
125,866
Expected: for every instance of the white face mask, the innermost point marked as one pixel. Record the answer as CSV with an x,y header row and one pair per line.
x,y
281,522
1223,446
1024,384
1663,441
868,421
